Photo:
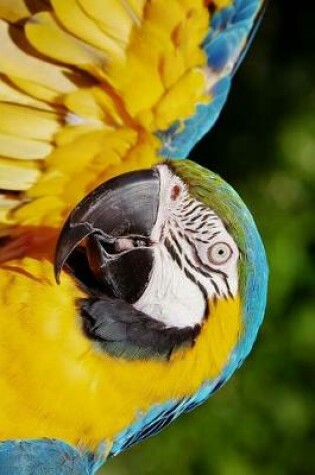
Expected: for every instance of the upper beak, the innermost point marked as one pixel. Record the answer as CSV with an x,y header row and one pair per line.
x,y
115,218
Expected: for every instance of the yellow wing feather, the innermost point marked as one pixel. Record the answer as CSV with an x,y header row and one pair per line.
x,y
16,10
92,83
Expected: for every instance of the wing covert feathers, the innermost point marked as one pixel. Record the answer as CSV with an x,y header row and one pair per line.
x,y
90,89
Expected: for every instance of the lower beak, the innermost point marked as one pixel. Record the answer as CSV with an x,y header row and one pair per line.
x,y
112,225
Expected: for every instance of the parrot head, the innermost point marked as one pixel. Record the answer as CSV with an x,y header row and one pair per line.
x,y
155,250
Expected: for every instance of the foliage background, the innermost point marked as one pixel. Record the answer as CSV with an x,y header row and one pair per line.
x,y
262,421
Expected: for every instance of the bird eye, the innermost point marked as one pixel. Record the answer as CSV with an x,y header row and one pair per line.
x,y
219,253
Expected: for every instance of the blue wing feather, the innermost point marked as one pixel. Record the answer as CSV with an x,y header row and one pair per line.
x,y
178,144
230,33
45,457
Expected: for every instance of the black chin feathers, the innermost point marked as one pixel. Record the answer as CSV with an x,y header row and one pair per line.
x,y
119,329
123,331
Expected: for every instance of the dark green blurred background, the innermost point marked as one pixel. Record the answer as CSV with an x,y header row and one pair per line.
x,y
262,421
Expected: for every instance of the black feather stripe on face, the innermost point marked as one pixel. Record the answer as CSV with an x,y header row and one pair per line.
x,y
196,221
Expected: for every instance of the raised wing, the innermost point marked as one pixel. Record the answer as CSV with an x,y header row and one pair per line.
x,y
90,89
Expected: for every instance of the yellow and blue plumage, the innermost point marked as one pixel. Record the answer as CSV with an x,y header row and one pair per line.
x,y
88,92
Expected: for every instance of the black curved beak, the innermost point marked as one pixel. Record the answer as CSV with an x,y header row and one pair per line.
x,y
112,225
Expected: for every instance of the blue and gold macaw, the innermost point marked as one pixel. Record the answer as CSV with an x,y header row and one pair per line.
x,y
161,269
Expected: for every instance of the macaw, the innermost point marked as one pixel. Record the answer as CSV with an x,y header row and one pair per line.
x,y
161,270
